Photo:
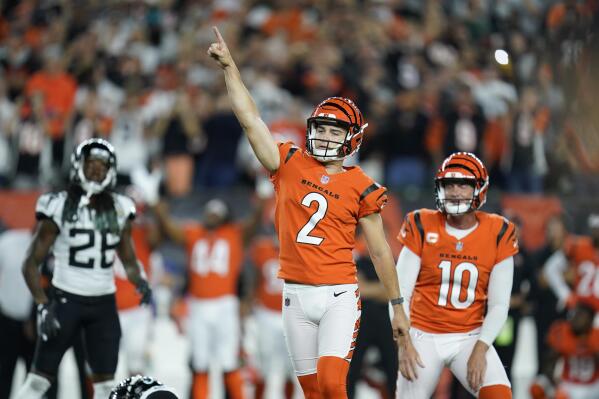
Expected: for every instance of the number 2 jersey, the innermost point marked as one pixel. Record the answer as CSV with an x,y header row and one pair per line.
x,y
83,255
450,294
316,216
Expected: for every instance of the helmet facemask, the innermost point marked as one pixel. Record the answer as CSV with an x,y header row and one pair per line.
x,y
334,150
94,149
455,206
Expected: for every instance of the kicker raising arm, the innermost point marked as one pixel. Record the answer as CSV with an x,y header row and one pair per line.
x,y
244,107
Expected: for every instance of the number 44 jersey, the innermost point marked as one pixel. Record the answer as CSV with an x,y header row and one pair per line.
x,y
316,216
450,295
83,255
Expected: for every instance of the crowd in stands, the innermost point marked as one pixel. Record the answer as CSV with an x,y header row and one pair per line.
x,y
508,80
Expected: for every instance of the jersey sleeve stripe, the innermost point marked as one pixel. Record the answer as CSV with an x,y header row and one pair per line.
x,y
419,225
383,193
292,151
369,190
502,231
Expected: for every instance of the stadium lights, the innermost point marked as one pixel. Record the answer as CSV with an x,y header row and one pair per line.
x,y
502,57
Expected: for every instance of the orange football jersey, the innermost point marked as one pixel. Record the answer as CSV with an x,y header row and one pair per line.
x,y
585,258
265,256
316,216
214,258
126,295
450,295
581,354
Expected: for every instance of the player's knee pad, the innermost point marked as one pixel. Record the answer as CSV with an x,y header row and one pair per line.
x,y
102,389
34,387
498,391
332,377
309,385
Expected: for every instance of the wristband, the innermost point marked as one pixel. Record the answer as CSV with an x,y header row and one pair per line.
x,y
396,301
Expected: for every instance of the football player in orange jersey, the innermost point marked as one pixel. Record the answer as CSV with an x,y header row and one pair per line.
x,y
319,205
215,254
576,342
456,270
136,321
276,379
582,253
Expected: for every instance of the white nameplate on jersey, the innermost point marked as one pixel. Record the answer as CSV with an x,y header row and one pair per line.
x,y
459,245
432,238
324,179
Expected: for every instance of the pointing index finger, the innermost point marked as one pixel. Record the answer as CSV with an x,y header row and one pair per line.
x,y
218,35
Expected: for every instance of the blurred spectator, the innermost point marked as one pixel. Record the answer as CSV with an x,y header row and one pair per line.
x,y
56,88
544,301
181,134
528,163
129,137
402,138
17,329
463,125
216,164
8,119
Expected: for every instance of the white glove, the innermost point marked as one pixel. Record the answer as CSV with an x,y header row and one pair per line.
x,y
264,187
148,184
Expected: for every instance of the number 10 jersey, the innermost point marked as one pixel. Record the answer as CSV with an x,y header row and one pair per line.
x,y
83,255
316,216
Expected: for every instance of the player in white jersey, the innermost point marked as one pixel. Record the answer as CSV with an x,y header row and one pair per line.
x,y
85,226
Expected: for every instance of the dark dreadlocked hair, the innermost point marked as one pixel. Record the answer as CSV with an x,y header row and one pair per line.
x,y
103,203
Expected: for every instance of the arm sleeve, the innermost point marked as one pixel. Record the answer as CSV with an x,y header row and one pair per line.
x,y
372,200
498,300
408,268
553,270
411,232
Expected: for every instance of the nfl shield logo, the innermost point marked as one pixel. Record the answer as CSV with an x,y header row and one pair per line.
x,y
324,179
459,245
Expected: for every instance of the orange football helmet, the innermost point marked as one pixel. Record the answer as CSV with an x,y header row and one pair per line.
x,y
341,112
465,167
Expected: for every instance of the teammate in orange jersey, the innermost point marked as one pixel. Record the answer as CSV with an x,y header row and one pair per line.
x,y
576,342
215,254
273,362
456,261
582,253
319,205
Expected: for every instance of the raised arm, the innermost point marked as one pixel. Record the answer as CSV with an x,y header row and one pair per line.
x,y
244,107
43,239
167,225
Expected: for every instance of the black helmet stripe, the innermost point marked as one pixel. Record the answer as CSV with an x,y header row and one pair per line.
x,y
341,109
457,165
476,165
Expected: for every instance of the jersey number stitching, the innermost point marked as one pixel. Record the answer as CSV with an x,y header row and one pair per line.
x,y
456,289
206,259
91,239
303,236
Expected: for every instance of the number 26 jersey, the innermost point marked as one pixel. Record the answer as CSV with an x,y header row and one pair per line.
x,y
83,255
316,216
450,294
